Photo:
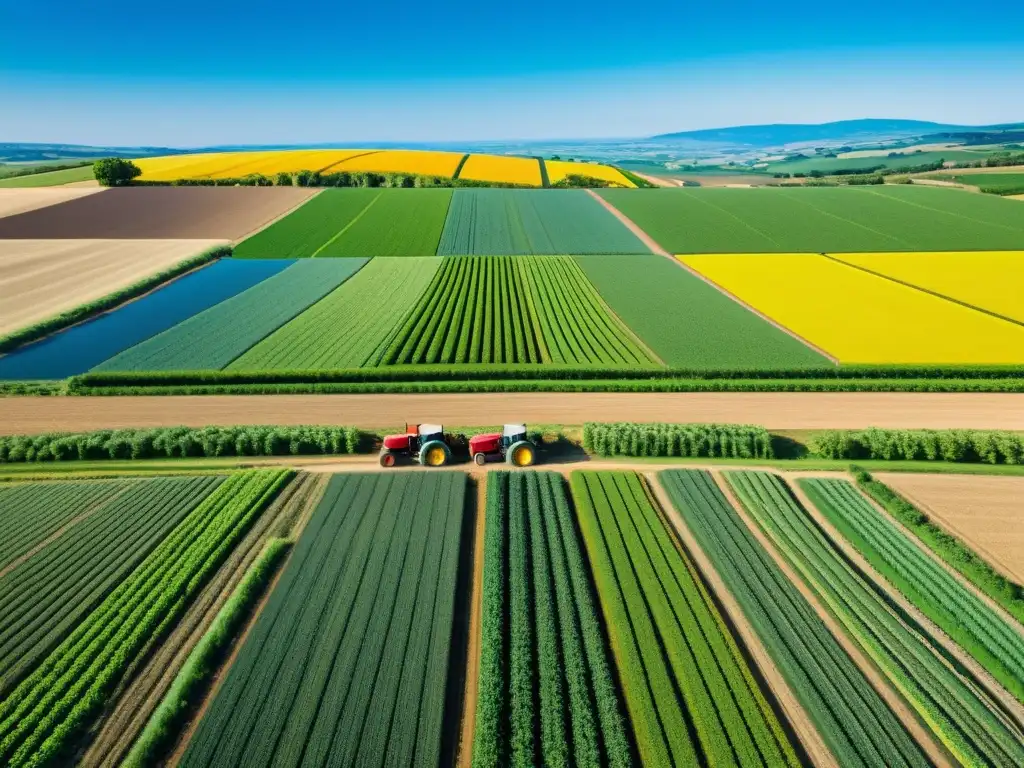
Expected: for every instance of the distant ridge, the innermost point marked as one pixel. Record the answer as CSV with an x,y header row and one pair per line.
x,y
792,133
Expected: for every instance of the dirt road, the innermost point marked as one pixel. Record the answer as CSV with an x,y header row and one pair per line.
x,y
784,410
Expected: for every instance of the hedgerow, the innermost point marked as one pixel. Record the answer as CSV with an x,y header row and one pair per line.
x,y
959,445
660,439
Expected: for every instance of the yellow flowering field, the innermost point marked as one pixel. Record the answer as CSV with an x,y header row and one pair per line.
x,y
559,169
992,280
404,161
500,168
861,318
220,165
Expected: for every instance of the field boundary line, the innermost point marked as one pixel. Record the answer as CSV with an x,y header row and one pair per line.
x,y
838,259
470,693
348,226
458,168
631,225
750,308
915,728
353,157
979,677
796,720
274,220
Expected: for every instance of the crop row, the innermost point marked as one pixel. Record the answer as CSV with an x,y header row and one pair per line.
x,y
996,642
50,708
692,697
348,662
44,598
543,669
737,441
512,310
849,714
963,717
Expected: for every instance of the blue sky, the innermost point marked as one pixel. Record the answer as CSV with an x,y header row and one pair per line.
x,y
192,73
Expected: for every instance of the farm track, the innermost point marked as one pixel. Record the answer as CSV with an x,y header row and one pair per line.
x,y
469,701
782,410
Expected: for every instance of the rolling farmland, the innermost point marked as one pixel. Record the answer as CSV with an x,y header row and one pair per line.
x,y
51,707
219,165
512,310
50,178
691,696
994,640
489,222
965,719
348,662
816,297
993,183
84,346
538,615
850,715
214,338
350,327
688,323
984,280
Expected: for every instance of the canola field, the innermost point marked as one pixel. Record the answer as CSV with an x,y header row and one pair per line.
x,y
506,170
858,317
558,170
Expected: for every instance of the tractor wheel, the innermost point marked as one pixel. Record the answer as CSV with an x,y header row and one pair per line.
x,y
435,454
387,459
521,454
480,459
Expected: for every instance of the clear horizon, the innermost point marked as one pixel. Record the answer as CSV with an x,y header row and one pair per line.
x,y
476,74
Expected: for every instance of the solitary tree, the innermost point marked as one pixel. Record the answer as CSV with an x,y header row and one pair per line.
x,y
115,171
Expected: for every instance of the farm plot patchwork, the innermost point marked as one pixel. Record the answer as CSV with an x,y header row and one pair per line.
x,y
219,165
821,220
688,323
46,596
398,222
15,201
214,338
351,326
995,641
862,318
50,178
348,662
992,183
542,222
88,344
544,670
46,714
849,714
991,281
966,720
495,309
691,696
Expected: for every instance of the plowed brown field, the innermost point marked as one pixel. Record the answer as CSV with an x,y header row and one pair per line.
x,y
221,213
14,201
785,410
986,513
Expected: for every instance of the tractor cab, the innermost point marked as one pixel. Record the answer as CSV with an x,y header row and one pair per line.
x,y
424,443
510,445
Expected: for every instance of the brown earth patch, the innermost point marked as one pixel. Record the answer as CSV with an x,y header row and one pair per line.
x,y
465,758
14,200
225,213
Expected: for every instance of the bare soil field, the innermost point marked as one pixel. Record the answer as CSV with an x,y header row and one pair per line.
x,y
221,213
19,200
986,513
783,410
40,278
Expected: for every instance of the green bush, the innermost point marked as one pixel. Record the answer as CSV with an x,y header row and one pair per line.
x,y
115,171
958,445
738,441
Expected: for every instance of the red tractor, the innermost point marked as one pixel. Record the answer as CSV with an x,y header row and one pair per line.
x,y
425,443
511,445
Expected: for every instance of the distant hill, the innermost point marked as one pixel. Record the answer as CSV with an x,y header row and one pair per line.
x,y
23,152
795,133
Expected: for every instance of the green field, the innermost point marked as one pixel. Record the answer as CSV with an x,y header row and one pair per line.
x,y
350,327
51,708
851,717
992,183
829,165
348,662
996,642
355,222
215,337
493,309
691,695
821,220
539,614
688,323
487,222
49,178
962,715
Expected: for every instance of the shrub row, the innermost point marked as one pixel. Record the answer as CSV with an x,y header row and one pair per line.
x,y
580,385
308,178
738,441
949,548
81,312
166,722
960,445
182,442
